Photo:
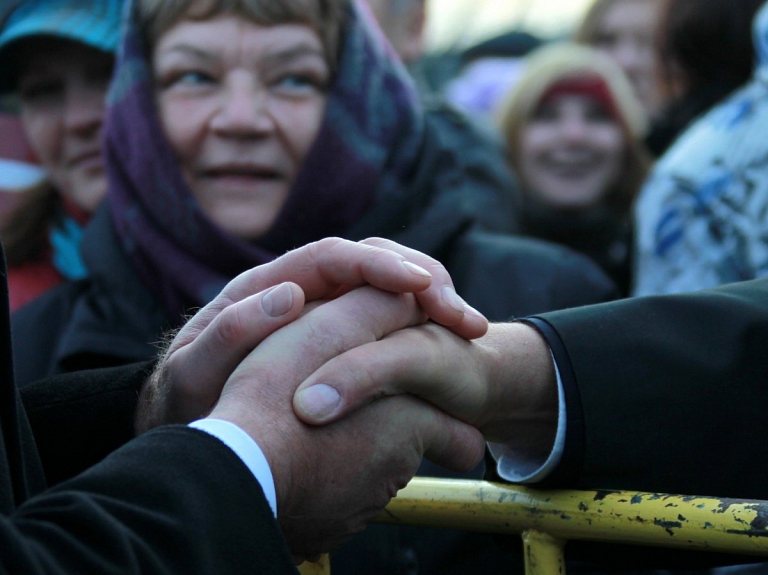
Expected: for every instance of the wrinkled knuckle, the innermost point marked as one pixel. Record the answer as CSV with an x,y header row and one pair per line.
x,y
386,312
374,241
368,377
318,253
377,256
473,450
230,327
322,247
360,368
324,338
313,250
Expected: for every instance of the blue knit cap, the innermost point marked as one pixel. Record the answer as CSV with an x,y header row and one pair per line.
x,y
95,23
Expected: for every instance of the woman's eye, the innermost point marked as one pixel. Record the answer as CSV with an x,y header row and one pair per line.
x,y
295,80
606,40
40,91
101,76
299,83
170,79
546,113
193,78
598,114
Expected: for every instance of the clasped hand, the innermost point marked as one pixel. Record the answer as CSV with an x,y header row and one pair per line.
x,y
242,357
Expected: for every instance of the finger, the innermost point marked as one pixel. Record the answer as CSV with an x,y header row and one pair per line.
x,y
445,440
362,316
228,339
322,269
453,444
440,300
428,362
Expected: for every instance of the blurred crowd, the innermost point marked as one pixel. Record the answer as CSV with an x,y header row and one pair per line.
x,y
141,168
619,143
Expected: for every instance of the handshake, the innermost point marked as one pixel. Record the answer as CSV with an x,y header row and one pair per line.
x,y
347,363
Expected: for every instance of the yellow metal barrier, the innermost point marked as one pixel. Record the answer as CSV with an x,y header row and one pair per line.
x,y
547,519
321,567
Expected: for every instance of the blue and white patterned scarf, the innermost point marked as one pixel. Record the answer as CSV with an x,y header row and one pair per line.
x,y
702,217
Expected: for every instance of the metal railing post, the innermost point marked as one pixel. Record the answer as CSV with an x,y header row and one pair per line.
x,y
543,553
320,567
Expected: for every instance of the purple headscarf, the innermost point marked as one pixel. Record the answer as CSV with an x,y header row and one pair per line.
x,y
368,142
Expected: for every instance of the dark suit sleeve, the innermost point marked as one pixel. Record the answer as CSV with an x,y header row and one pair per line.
x,y
175,500
77,419
663,394
673,391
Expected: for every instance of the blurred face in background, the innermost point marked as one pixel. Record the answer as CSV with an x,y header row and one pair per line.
x,y
62,87
571,153
627,33
241,105
402,22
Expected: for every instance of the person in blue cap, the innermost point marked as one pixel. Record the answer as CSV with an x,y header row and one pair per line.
x,y
57,57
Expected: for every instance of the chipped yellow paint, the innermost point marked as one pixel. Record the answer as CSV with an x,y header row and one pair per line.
x,y
730,525
320,567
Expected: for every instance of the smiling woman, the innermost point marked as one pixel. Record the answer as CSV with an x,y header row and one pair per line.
x,y
57,56
237,130
62,87
572,149
215,96
575,131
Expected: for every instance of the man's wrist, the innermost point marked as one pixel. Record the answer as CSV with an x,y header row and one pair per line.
x,y
247,449
523,391
533,467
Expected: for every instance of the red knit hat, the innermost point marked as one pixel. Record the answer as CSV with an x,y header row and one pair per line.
x,y
592,86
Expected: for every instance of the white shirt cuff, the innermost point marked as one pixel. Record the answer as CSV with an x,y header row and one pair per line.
x,y
246,449
518,466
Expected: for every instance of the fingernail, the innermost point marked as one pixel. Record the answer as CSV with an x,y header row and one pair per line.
x,y
472,311
318,401
450,297
418,270
279,301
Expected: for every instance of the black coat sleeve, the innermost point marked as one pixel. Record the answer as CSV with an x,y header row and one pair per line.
x,y
77,419
663,394
673,391
175,500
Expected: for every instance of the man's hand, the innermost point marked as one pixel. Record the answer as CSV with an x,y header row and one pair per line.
x,y
330,481
190,376
502,383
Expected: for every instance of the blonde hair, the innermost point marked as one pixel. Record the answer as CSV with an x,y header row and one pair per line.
x,y
556,62
326,17
587,31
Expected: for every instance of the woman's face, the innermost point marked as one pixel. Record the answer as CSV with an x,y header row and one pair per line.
x,y
627,34
571,152
63,86
241,105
